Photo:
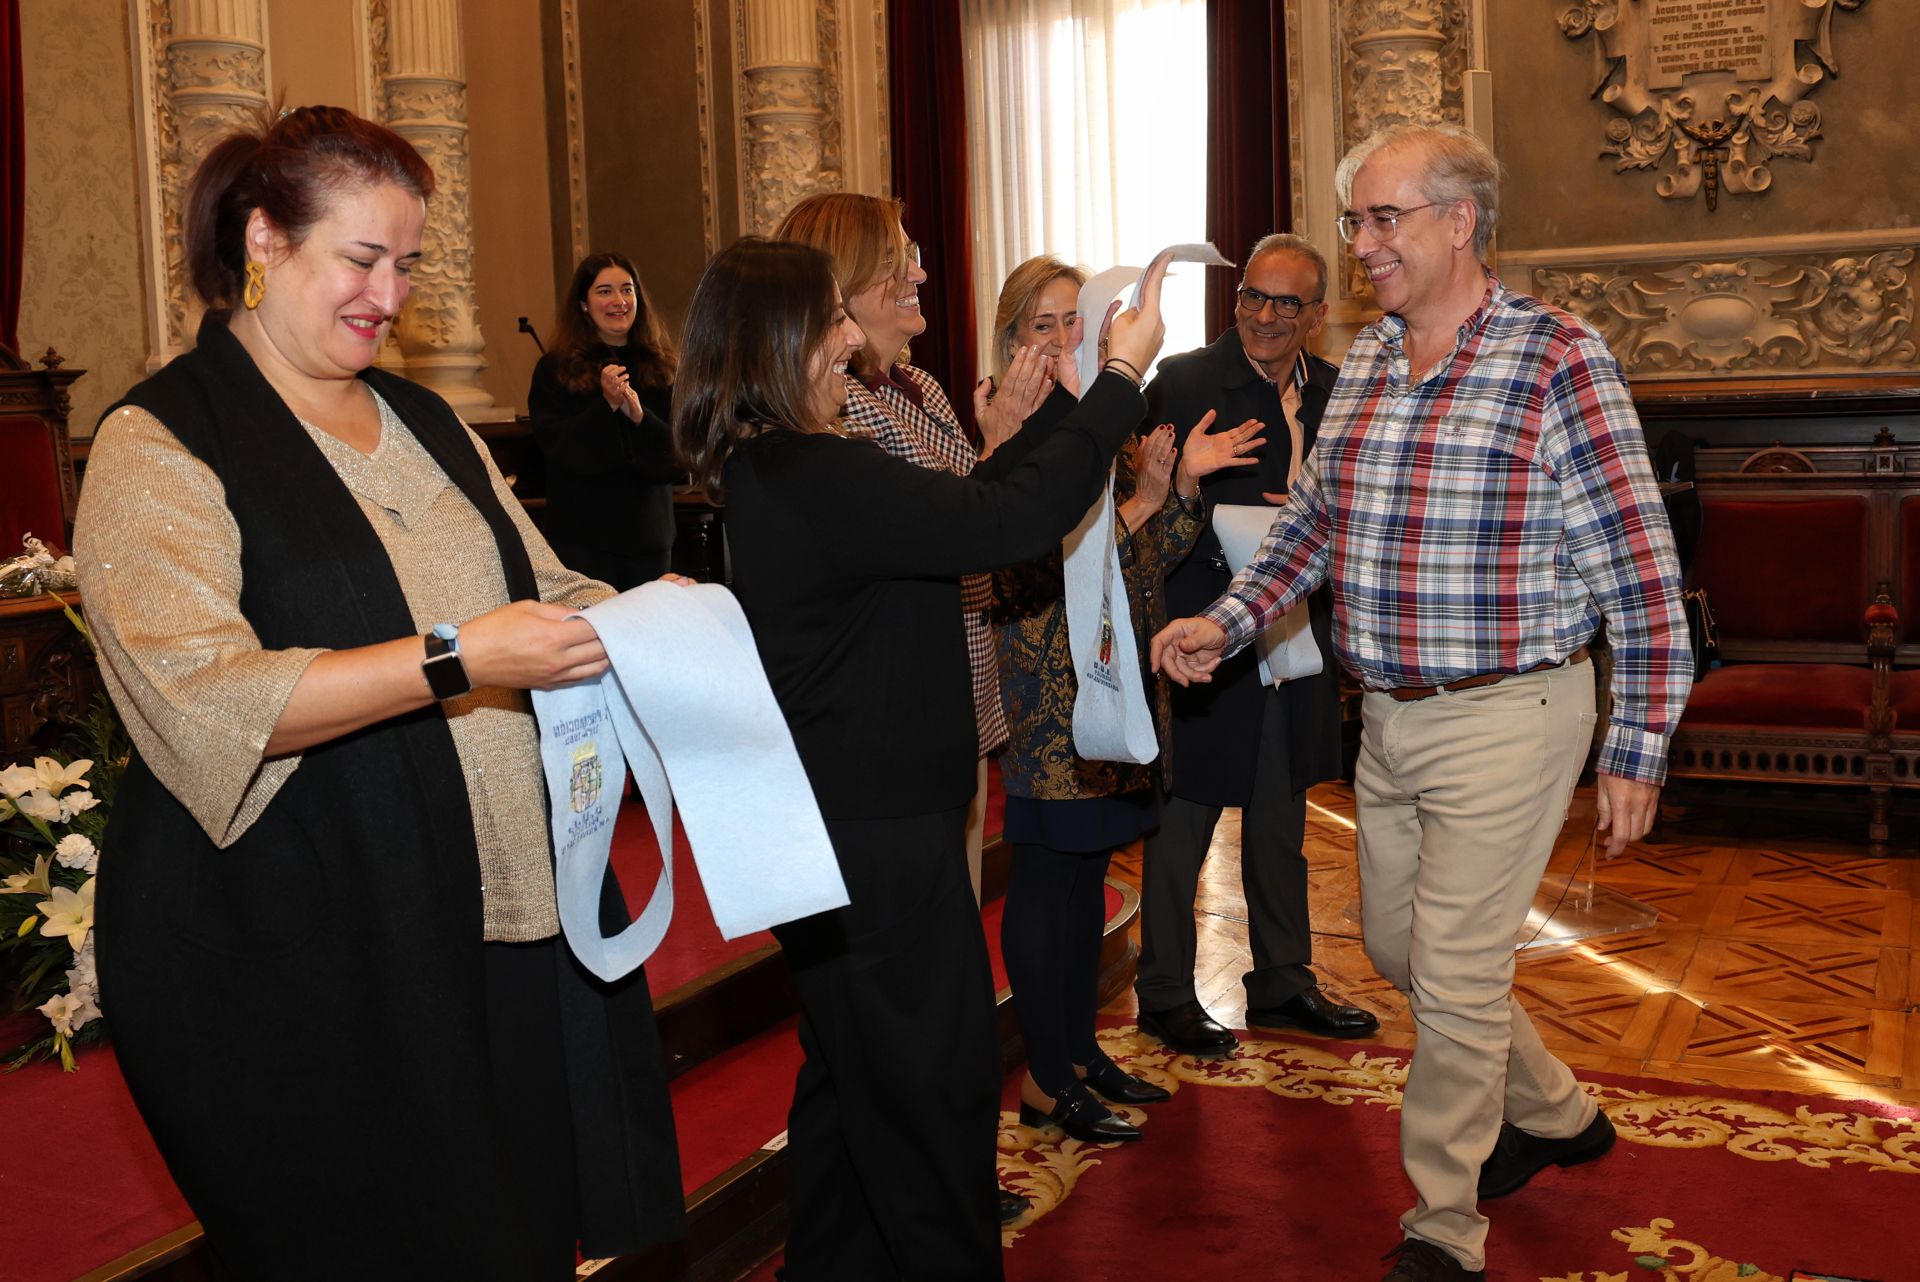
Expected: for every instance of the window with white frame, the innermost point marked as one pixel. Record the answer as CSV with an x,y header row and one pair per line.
x,y
1087,139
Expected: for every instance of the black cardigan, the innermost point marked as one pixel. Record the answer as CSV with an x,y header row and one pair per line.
x,y
608,478
847,562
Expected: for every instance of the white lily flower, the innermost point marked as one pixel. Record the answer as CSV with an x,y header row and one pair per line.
x,y
17,780
7,809
60,1011
43,805
56,778
69,913
77,851
37,882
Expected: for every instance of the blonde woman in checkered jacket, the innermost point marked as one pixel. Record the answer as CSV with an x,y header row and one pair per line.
x,y
905,410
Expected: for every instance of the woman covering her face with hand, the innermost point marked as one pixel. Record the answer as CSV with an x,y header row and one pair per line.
x,y
848,564
1066,815
329,936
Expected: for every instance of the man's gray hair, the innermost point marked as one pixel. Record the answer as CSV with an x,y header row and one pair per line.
x,y
1286,242
1459,166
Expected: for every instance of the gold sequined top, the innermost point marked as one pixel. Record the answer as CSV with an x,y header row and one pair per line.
x,y
159,559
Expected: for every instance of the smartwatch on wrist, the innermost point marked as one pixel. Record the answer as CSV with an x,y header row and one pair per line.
x,y
446,674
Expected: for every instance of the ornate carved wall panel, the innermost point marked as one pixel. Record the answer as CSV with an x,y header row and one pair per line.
x,y
1799,305
1708,92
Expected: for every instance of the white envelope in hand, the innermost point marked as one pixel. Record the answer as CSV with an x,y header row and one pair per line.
x,y
1286,646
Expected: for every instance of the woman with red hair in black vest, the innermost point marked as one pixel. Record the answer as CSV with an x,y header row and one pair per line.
x,y
328,939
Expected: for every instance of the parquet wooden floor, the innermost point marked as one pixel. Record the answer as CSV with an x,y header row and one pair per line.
x,y
1781,957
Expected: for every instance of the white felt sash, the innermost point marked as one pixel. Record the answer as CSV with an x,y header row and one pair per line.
x,y
686,704
1286,646
1111,721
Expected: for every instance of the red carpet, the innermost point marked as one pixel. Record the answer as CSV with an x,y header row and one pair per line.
x,y
1284,1162
80,1181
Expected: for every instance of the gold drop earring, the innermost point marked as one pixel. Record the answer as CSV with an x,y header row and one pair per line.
x,y
256,286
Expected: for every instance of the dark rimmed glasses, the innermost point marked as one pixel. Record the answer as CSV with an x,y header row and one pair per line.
x,y
1285,306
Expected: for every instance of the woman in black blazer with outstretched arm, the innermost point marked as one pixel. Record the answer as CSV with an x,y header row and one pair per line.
x,y
847,562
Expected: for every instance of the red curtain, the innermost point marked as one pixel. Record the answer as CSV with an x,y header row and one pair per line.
x,y
1249,179
928,103
13,174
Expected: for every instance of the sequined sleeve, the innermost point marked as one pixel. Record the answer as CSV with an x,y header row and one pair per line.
x,y
159,560
558,585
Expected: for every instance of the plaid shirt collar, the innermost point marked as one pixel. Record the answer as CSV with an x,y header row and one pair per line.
x,y
1392,330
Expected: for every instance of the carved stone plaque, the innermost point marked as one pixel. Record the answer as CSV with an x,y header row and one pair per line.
x,y
1708,92
1689,36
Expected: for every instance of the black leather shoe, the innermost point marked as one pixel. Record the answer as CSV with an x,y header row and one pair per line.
x,y
1517,1156
1080,1115
1421,1261
1116,1084
1312,1011
1012,1206
1189,1029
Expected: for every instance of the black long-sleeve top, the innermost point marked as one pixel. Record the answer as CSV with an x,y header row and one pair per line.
x,y
609,479
847,562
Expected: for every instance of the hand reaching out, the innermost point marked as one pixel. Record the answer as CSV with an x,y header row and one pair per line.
x,y
1188,650
1208,452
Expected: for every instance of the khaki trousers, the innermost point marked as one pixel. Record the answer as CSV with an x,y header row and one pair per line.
x,y
1460,798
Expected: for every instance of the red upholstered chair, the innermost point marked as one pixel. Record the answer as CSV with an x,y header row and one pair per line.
x,y
39,493
1804,690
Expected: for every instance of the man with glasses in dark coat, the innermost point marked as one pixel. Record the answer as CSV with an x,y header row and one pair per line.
x,y
1240,742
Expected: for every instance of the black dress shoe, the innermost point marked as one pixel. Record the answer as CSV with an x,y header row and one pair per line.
x,y
1080,1115
1189,1029
1517,1156
1312,1011
1421,1261
1116,1084
1012,1206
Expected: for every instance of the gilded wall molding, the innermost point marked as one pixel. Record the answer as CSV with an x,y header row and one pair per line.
x,y
703,107
576,128
1702,125
1772,306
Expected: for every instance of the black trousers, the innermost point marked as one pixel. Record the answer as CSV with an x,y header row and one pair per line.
x,y
891,1138
1050,938
1273,872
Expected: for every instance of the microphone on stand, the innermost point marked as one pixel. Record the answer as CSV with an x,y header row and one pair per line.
x,y
526,327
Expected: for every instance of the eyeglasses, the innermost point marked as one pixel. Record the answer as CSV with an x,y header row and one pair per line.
x,y
890,266
1285,306
1383,224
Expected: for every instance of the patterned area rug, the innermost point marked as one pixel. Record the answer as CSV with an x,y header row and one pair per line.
x,y
1284,1162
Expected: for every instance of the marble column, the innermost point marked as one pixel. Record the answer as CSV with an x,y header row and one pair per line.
x,y
1397,65
783,103
209,77
423,98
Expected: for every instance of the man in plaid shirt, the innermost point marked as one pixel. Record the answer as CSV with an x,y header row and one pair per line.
x,y
1480,500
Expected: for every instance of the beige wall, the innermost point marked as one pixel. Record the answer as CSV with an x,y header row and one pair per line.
x,y
313,57
512,220
81,287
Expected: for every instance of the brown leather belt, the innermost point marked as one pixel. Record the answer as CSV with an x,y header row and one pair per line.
x,y
1413,694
